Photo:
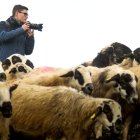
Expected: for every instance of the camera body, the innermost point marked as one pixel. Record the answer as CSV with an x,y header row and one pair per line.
x,y
35,26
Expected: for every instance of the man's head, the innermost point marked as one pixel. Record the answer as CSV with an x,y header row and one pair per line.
x,y
20,13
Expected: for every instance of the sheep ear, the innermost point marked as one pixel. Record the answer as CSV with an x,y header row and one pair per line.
x,y
69,74
13,71
113,81
2,76
114,78
110,84
13,87
96,113
6,64
29,63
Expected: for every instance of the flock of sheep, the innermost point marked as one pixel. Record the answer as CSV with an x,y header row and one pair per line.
x,y
85,102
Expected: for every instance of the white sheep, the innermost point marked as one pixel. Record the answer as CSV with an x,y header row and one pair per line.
x,y
77,77
16,58
17,71
121,85
60,111
136,70
5,108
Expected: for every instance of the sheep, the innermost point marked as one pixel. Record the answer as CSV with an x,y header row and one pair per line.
x,y
5,108
15,66
61,111
127,63
110,55
16,58
121,85
116,53
130,60
76,77
2,73
17,71
136,70
118,78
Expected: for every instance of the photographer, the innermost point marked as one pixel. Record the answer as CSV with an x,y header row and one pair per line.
x,y
15,34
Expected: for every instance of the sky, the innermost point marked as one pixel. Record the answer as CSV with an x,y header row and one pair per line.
x,y
74,31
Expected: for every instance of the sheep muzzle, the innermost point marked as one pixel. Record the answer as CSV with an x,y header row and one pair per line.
x,y
88,88
117,127
6,109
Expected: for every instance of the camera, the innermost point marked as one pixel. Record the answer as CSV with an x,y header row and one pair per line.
x,y
35,26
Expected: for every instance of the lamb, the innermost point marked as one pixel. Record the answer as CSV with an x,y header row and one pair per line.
x,y
77,77
5,108
61,111
121,85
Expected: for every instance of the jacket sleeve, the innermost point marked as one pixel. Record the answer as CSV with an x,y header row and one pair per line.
x,y
7,35
29,45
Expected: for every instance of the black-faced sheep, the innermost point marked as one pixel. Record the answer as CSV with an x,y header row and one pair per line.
x,y
118,84
77,77
61,112
5,108
110,55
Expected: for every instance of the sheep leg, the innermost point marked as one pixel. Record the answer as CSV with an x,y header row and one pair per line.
x,y
126,127
4,130
98,130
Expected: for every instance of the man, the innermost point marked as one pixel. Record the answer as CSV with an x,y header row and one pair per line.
x,y
15,34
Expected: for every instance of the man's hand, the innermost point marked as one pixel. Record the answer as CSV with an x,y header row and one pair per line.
x,y
26,26
30,32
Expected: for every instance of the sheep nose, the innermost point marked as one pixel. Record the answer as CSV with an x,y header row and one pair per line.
x,y
6,109
117,127
88,88
135,101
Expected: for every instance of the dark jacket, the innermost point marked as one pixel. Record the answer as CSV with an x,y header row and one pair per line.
x,y
13,39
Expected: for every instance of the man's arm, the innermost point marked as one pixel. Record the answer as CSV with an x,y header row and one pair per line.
x,y
6,35
29,44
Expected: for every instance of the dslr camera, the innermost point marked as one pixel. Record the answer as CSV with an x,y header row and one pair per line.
x,y
35,26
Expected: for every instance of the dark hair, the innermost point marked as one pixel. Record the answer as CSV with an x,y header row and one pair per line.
x,y
18,8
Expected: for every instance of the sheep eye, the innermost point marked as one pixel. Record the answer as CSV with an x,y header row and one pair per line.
x,y
79,77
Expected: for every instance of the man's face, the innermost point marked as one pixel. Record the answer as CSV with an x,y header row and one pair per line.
x,y
21,16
